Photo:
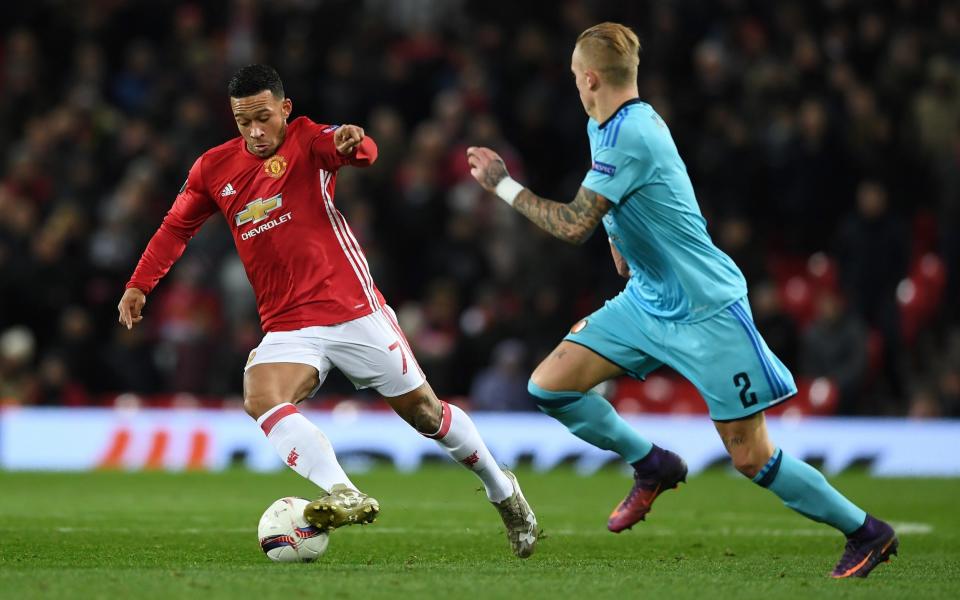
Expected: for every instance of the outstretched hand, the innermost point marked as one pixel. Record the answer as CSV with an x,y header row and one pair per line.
x,y
130,306
486,166
347,137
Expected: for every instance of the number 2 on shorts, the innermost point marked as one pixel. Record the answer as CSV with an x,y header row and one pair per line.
x,y
742,381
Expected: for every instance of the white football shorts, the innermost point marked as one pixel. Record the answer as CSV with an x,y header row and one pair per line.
x,y
371,351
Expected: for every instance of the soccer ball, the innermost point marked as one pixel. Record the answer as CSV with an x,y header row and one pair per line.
x,y
285,536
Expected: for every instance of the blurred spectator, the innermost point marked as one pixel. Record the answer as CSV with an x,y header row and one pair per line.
x,y
924,405
873,254
785,113
129,362
434,341
503,385
776,327
937,108
54,385
735,237
79,350
187,317
938,393
835,346
17,382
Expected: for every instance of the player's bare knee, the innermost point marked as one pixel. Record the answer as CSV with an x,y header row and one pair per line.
x,y
746,466
748,461
542,379
252,406
257,404
420,409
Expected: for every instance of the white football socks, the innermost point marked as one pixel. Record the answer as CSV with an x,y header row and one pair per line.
x,y
460,438
303,446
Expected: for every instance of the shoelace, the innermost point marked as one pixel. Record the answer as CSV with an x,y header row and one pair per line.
x,y
639,485
849,558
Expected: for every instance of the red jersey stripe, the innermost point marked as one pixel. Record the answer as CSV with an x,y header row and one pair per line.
x,y
334,223
355,248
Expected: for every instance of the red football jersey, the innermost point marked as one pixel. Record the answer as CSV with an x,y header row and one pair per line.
x,y
300,255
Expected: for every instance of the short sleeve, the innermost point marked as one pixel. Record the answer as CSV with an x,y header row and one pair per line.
x,y
615,175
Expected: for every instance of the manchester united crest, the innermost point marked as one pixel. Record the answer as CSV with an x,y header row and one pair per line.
x,y
275,166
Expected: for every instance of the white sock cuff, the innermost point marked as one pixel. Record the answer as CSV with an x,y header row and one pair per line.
x,y
269,419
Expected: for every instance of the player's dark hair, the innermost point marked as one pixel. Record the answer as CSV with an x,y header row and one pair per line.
x,y
253,79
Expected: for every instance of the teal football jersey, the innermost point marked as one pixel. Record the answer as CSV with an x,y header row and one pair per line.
x,y
677,272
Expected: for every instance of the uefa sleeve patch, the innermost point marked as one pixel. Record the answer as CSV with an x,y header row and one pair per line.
x,y
602,167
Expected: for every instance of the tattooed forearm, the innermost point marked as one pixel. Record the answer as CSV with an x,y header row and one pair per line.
x,y
573,222
494,173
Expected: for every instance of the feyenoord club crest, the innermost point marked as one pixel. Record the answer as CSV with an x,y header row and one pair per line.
x,y
275,166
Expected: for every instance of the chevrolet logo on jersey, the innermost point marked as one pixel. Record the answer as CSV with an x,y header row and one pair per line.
x,y
256,211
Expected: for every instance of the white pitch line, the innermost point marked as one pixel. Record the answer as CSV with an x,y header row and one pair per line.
x,y
909,528
904,528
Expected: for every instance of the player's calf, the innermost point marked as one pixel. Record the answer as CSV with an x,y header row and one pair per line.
x,y
870,541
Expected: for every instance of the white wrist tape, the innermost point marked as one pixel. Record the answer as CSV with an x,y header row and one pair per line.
x,y
508,189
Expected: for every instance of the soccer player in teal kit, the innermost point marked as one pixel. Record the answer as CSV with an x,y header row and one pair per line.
x,y
684,306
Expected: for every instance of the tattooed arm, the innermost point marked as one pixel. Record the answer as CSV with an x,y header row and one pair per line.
x,y
571,222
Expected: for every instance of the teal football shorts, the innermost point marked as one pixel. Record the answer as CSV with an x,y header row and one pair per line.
x,y
724,355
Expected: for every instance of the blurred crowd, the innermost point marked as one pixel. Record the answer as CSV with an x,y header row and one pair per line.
x,y
822,138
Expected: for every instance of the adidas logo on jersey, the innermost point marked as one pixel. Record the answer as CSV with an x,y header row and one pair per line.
x,y
228,190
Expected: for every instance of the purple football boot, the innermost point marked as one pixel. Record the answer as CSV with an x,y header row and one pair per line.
x,y
655,473
873,543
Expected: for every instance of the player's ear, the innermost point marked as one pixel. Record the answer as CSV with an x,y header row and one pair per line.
x,y
593,80
286,107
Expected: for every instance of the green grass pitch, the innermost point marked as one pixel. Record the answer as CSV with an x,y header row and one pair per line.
x,y
157,535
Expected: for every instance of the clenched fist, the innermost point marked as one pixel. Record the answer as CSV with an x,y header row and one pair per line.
x,y
347,137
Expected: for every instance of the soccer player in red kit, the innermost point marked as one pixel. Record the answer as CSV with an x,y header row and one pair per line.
x,y
317,301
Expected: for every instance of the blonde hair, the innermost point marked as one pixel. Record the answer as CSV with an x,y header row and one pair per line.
x,y
614,50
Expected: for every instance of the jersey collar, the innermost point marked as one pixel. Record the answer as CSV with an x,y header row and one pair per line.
x,y
619,108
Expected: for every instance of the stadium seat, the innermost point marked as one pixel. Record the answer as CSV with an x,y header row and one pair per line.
x,y
924,233
660,393
797,298
930,272
920,295
818,396
822,272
